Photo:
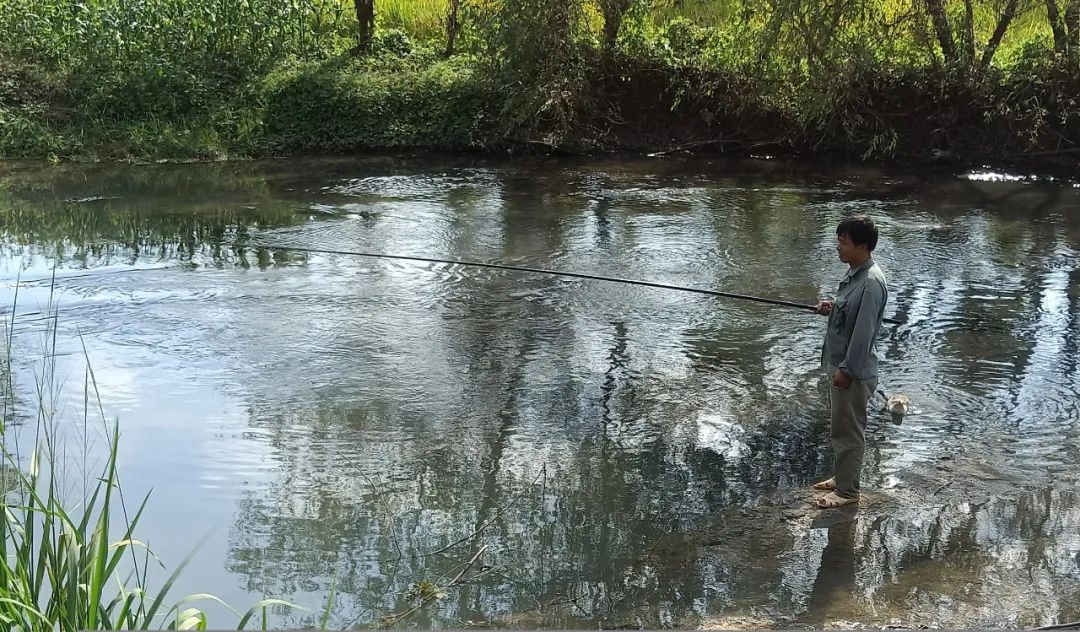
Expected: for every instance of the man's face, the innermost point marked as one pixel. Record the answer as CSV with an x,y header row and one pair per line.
x,y
846,249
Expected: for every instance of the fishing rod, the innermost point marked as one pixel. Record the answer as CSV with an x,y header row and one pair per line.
x,y
579,275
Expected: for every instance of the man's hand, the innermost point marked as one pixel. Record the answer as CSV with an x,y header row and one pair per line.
x,y
824,308
841,380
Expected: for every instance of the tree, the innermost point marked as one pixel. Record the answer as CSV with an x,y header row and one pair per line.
x,y
613,11
995,40
1066,27
365,21
541,61
1053,15
966,53
452,26
944,32
1072,23
968,32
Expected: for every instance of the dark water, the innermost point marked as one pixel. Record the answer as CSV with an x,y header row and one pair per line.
x,y
628,456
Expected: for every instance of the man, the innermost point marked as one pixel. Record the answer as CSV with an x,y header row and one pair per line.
x,y
849,356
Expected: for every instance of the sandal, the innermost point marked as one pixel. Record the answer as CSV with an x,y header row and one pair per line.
x,y
826,486
833,500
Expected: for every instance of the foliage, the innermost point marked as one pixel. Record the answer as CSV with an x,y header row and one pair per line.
x,y
377,102
220,78
538,53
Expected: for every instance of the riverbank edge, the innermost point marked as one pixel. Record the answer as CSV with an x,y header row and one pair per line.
x,y
630,106
1032,169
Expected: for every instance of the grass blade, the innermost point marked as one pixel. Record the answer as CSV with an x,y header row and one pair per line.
x,y
329,602
261,606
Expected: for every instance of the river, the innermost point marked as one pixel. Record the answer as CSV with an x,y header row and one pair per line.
x,y
629,456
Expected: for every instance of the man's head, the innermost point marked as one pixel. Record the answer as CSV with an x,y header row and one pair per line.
x,y
856,238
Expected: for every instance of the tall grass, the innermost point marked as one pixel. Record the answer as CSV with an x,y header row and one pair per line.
x,y
708,13
76,564
420,19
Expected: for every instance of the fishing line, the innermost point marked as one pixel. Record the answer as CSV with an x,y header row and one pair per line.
x,y
579,275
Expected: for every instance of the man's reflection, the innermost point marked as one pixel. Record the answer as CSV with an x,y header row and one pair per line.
x,y
833,593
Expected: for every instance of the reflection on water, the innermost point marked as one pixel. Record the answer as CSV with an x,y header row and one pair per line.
x,y
628,456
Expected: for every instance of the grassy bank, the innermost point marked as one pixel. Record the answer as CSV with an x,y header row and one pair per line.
x,y
865,80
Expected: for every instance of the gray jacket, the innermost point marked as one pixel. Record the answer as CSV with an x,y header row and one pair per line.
x,y
854,323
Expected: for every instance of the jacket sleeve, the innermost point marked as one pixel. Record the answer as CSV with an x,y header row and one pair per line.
x,y
867,322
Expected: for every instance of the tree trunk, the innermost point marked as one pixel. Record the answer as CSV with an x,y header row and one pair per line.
x,y
999,33
1072,27
365,21
968,33
613,11
1053,15
452,26
941,26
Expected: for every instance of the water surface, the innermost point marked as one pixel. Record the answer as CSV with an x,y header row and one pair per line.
x,y
629,456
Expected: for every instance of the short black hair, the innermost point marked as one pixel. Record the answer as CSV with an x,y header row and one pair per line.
x,y
860,229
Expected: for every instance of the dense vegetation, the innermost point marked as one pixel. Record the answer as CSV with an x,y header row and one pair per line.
x,y
971,80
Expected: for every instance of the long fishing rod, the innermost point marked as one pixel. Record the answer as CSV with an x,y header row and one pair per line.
x,y
579,275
